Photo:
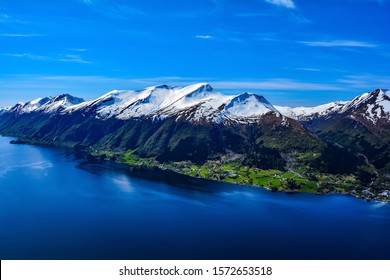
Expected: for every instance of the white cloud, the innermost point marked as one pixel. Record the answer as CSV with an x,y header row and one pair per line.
x,y
78,50
113,10
28,55
268,84
73,58
283,3
19,35
65,58
204,36
123,12
8,19
339,43
365,82
28,87
308,69
275,84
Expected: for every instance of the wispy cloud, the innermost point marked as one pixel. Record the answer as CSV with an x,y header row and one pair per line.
x,y
308,69
339,43
28,55
4,16
78,50
366,82
254,14
171,80
27,87
283,3
73,58
204,37
381,2
123,12
276,84
114,10
218,2
8,19
299,18
19,35
64,58
87,2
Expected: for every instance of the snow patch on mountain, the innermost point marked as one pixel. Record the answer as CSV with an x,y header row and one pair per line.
x,y
199,102
384,101
34,105
46,104
195,102
61,102
373,106
248,105
306,113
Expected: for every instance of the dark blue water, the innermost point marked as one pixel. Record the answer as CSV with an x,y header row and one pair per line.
x,y
53,206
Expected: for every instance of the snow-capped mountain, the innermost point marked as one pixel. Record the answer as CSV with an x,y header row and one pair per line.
x,y
369,107
170,123
46,104
307,113
197,124
198,102
373,107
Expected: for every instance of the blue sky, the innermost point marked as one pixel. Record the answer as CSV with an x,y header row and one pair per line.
x,y
294,52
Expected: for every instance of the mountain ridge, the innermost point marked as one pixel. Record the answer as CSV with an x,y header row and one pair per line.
x,y
183,98
167,127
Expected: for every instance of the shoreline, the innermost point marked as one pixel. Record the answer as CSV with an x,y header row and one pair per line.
x,y
144,166
246,185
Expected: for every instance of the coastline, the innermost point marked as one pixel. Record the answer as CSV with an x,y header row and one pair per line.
x,y
143,168
135,163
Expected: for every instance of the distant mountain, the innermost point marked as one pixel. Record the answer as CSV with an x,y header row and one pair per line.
x,y
369,108
308,113
202,126
361,125
45,104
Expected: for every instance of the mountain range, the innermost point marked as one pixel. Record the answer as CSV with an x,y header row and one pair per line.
x,y
339,146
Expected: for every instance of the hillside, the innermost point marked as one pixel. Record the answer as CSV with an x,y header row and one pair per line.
x,y
200,132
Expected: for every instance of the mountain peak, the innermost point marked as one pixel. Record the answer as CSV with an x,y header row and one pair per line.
x,y
203,86
249,104
366,99
39,101
198,87
158,87
67,98
249,97
384,92
196,91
